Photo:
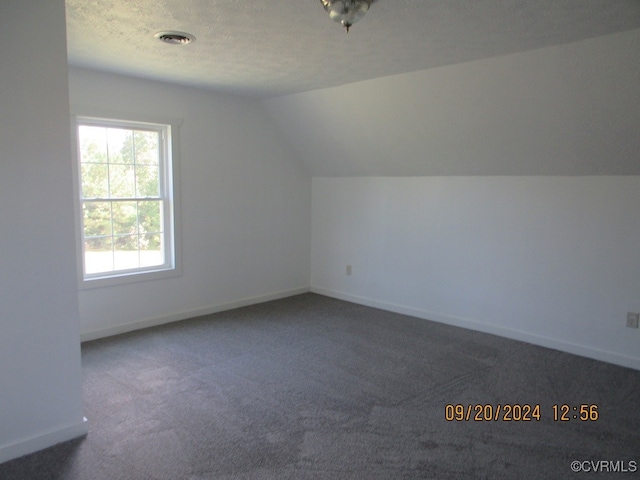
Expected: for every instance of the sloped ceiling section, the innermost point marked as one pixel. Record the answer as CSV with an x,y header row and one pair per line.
x,y
572,109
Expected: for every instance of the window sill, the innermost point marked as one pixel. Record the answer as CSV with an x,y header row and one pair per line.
x,y
114,280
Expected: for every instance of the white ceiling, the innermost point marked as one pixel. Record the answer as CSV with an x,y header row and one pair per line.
x,y
269,48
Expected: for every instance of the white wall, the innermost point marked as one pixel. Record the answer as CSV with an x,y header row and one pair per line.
x,y
40,380
549,260
245,206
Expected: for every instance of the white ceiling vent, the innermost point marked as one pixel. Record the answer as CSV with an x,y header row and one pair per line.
x,y
175,38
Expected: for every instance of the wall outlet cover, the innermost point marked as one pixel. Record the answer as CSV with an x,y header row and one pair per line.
x,y
632,319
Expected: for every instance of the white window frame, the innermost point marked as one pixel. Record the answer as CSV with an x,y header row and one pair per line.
x,y
169,130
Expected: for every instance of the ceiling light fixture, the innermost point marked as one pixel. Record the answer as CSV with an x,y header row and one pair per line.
x,y
346,12
175,38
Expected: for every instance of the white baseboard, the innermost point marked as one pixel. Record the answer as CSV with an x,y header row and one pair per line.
x,y
581,350
43,440
152,322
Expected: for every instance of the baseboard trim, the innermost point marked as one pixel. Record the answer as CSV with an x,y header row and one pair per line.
x,y
156,321
44,440
575,349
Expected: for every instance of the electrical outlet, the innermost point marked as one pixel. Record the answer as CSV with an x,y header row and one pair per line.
x,y
632,319
348,270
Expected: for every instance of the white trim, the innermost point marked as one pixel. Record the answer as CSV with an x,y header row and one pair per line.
x,y
171,179
471,324
43,440
153,322
118,115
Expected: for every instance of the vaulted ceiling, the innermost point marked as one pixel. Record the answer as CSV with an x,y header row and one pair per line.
x,y
269,48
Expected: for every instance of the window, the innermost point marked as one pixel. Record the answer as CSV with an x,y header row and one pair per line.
x,y
126,198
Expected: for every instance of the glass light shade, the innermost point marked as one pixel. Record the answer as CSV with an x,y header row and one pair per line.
x,y
346,12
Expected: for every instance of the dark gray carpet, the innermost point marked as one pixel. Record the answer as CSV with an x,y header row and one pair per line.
x,y
315,388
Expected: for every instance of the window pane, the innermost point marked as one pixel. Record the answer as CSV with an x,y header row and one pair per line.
x,y
125,252
125,242
97,219
98,257
151,250
93,144
122,174
95,180
147,181
120,145
125,221
149,218
146,147
122,181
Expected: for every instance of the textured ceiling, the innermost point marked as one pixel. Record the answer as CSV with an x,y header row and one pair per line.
x,y
269,48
